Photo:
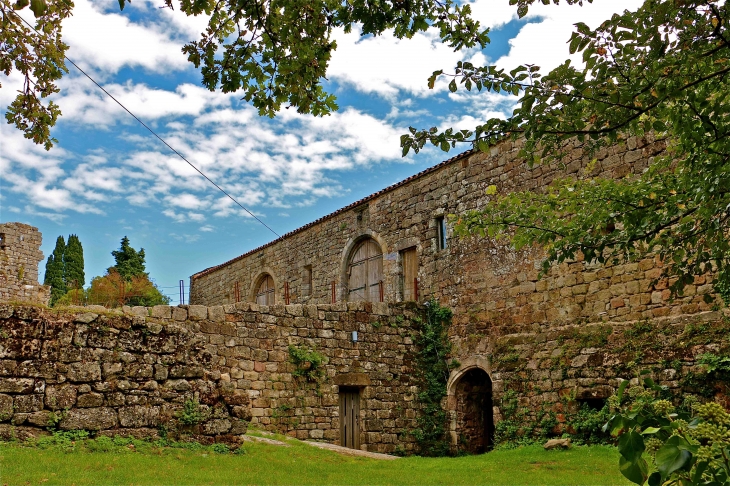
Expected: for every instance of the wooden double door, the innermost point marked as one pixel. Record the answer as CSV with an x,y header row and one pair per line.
x,y
365,273
350,417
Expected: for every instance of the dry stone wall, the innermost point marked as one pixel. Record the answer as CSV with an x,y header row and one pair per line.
x,y
19,257
132,372
548,374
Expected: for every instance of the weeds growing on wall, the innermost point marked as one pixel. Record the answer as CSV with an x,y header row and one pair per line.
x,y
308,362
432,372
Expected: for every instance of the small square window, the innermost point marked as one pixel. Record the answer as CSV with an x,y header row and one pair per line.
x,y
441,241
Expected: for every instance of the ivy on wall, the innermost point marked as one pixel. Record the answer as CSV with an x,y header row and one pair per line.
x,y
432,374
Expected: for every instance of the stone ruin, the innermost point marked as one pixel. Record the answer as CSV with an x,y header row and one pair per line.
x,y
20,255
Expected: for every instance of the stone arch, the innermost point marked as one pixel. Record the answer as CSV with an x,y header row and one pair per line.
x,y
470,407
351,245
253,287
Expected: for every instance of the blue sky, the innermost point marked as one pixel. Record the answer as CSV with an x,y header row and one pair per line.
x,y
108,177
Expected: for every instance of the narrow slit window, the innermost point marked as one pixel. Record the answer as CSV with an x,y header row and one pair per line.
x,y
307,281
441,241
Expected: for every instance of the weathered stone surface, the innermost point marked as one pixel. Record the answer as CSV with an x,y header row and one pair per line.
x,y
139,416
89,419
59,397
197,312
28,403
84,372
140,311
241,412
6,407
16,385
216,314
217,427
86,318
162,311
557,444
90,400
352,379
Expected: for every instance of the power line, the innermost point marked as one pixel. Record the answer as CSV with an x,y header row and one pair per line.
x,y
161,139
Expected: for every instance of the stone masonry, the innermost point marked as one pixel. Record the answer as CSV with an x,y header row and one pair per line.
x,y
19,257
131,372
507,322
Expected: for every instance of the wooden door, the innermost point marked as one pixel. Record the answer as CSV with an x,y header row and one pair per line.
x,y
365,272
265,292
350,417
410,273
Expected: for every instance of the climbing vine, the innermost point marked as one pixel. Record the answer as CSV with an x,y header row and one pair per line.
x,y
308,363
432,374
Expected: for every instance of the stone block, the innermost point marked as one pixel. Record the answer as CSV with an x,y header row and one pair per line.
x,y
162,311
197,312
28,403
216,427
140,311
86,318
90,400
138,416
6,407
89,419
17,385
179,314
216,313
84,372
59,397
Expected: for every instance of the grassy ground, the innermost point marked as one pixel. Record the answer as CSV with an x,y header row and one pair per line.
x,y
87,463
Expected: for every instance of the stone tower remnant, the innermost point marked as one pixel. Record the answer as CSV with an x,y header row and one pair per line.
x,y
20,255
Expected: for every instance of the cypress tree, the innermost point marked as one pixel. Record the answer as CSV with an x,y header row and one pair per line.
x,y
130,262
73,264
54,271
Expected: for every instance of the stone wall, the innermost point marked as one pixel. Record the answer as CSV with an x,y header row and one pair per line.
x,y
130,372
551,372
492,289
19,257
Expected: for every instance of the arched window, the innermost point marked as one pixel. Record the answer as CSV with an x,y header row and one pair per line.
x,y
265,291
365,272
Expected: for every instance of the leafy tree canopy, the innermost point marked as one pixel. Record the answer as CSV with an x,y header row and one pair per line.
x,y
114,290
661,72
275,51
130,262
54,270
73,264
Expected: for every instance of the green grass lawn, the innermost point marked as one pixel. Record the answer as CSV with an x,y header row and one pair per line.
x,y
298,464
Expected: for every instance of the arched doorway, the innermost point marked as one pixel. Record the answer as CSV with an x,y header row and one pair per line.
x,y
365,272
472,414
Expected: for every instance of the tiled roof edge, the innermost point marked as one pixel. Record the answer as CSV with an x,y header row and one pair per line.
x,y
340,211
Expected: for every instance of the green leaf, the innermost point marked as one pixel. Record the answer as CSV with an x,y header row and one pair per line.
x,y
634,471
121,4
650,430
452,86
670,457
621,389
38,7
631,445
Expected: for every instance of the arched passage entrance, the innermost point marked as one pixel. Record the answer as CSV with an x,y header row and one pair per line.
x,y
470,406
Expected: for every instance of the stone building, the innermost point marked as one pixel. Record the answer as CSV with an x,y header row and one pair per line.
x,y
19,257
509,326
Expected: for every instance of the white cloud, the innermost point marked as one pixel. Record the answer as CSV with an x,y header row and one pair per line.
x,y
387,66
107,42
544,43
